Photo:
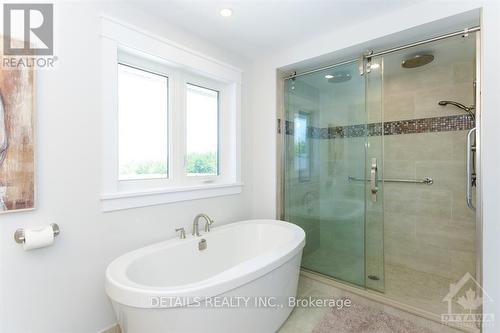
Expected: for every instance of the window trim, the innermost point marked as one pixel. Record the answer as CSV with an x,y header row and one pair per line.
x,y
117,39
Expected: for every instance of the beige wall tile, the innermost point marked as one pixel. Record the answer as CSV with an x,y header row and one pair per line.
x,y
400,225
399,106
428,228
444,235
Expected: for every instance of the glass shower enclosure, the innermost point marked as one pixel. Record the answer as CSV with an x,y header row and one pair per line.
x,y
333,184
377,161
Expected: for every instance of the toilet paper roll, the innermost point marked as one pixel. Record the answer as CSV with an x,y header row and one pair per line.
x,y
37,238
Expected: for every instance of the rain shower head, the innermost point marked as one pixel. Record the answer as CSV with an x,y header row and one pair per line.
x,y
417,61
460,106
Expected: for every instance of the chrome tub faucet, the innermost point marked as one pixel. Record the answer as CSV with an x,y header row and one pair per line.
x,y
208,223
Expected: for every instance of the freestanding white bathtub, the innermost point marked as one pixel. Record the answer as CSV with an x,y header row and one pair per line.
x,y
241,282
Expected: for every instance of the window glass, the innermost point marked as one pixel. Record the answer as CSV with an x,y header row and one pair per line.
x,y
202,144
143,124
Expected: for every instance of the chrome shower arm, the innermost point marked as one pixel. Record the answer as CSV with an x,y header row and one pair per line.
x,y
460,106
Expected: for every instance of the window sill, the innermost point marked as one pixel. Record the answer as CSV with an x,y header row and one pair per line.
x,y
125,200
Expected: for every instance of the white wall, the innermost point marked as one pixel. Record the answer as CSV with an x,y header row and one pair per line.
x,y
264,109
61,288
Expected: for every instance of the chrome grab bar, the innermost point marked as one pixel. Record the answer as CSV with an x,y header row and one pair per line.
x,y
426,180
374,180
470,172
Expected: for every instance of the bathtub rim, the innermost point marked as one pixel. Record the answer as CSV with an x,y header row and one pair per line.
x,y
124,291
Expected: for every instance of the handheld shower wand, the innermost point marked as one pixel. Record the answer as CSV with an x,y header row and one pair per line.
x,y
469,110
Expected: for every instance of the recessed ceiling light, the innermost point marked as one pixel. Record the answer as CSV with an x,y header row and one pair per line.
x,y
328,76
226,12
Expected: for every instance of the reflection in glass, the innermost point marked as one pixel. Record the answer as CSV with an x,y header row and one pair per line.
x,y
302,147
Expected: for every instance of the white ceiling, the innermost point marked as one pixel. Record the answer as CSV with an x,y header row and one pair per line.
x,y
262,26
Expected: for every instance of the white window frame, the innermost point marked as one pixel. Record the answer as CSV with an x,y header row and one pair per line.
x,y
223,138
140,63
122,43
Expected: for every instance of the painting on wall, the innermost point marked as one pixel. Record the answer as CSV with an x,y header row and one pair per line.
x,y
17,155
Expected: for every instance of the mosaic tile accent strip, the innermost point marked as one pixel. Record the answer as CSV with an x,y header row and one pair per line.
x,y
412,126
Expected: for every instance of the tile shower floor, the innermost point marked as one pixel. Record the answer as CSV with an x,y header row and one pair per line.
x,y
416,288
412,287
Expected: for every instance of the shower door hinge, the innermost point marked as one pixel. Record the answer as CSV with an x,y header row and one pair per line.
x,y
278,129
368,61
361,65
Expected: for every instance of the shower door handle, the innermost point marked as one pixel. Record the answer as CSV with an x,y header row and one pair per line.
x,y
374,179
470,169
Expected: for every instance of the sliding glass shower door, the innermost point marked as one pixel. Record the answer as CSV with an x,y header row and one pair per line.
x,y
331,175
381,170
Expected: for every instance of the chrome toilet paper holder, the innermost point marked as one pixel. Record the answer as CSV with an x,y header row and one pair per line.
x,y
19,234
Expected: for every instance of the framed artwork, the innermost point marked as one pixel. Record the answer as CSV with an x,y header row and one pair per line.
x,y
17,141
